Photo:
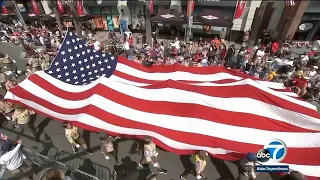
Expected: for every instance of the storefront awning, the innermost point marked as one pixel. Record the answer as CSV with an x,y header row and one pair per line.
x,y
81,18
212,18
169,16
7,17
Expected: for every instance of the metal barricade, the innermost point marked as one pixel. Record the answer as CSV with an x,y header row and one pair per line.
x,y
46,163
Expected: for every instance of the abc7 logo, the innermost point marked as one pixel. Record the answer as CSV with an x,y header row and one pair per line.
x,y
275,151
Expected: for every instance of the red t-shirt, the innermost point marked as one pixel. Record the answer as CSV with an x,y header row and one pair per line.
x,y
300,82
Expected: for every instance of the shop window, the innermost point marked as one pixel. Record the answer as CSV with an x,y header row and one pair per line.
x,y
114,11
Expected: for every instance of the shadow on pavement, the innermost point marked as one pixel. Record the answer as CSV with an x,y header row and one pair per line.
x,y
86,137
84,164
187,164
222,168
44,123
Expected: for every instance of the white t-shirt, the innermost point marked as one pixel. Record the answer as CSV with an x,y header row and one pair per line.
x,y
41,39
287,62
126,45
96,45
278,61
260,53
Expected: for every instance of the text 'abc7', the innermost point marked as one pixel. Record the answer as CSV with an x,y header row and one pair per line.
x,y
274,151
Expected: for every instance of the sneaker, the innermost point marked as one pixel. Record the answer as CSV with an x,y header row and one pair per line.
x,y
140,165
16,126
75,150
182,177
199,177
88,151
8,118
163,171
107,157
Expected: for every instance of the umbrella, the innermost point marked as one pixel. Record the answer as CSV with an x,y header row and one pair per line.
x,y
169,16
213,18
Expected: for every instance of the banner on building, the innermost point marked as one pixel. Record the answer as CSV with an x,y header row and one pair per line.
x,y
4,10
60,6
151,6
190,8
240,8
35,7
45,6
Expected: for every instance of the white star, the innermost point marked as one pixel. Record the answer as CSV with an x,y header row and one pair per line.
x,y
70,33
83,75
88,50
103,55
68,42
56,63
93,65
91,78
80,46
88,67
81,69
59,76
75,47
69,50
77,82
84,80
85,83
96,71
71,57
99,62
94,51
109,67
106,60
78,39
50,72
97,76
75,77
112,58
97,56
91,57
73,40
66,74
68,80
89,73
83,52
64,60
85,60
78,55
101,69
65,67
73,64
63,53
58,69
80,62
74,72
103,74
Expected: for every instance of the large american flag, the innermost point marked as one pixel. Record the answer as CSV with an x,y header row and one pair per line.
x,y
185,109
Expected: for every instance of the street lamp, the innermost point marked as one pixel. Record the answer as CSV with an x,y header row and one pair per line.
x,y
74,16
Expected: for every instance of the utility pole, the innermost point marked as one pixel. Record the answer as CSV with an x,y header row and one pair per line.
x,y
17,11
148,24
74,16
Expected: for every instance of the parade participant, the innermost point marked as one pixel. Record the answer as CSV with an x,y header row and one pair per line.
x,y
10,84
7,109
28,70
200,164
151,155
45,60
3,79
222,34
35,63
8,65
107,146
230,53
73,136
21,119
247,167
13,159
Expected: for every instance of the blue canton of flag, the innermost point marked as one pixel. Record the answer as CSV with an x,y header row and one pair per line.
x,y
78,64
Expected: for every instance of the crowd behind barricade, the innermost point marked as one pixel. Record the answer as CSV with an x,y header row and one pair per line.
x,y
268,60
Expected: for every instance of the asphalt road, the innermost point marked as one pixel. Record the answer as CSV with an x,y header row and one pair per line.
x,y
54,144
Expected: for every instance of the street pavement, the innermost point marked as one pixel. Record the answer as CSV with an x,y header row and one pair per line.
x,y
54,144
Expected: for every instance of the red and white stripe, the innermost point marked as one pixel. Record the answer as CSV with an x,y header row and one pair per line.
x,y
289,2
184,109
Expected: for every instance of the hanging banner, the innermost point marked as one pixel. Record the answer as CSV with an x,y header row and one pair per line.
x,y
45,6
241,6
79,7
151,5
4,10
35,7
190,7
60,6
